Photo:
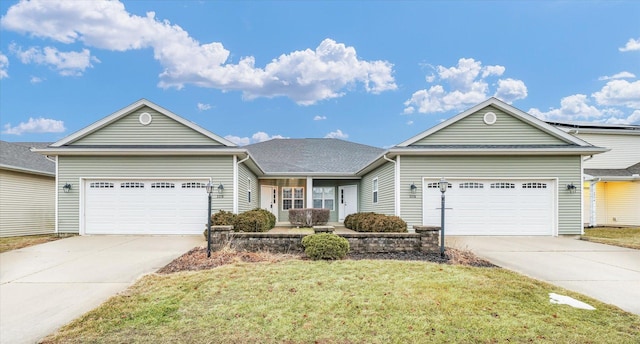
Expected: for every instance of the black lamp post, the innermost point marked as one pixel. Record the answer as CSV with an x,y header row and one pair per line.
x,y
209,188
443,184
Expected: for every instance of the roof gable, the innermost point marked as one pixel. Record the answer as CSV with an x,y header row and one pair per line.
x,y
511,127
143,123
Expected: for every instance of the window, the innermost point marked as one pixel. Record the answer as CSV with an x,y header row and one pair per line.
x,y
101,185
132,185
375,190
248,190
436,185
292,198
163,185
471,185
502,185
193,185
534,185
324,198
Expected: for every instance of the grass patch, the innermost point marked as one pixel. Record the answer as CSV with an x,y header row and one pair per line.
x,y
624,237
14,243
366,301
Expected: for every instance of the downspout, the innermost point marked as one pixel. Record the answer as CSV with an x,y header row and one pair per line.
x,y
592,199
235,181
396,203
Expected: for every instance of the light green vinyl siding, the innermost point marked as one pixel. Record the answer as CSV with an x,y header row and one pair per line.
x,y
507,130
72,168
386,190
565,168
247,181
161,131
27,204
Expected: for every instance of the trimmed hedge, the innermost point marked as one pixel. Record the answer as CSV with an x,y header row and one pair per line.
x,y
308,217
325,246
372,222
223,218
256,220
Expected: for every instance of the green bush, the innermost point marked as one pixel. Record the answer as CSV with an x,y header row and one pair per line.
x,y
269,215
325,246
308,217
253,221
223,218
372,222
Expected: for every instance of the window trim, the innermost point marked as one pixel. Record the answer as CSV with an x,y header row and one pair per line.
x,y
375,190
322,198
293,197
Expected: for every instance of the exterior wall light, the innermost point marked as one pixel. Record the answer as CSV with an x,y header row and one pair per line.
x,y
571,188
413,188
220,191
66,188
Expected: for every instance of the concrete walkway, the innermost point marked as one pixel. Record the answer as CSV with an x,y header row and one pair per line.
x,y
46,286
608,273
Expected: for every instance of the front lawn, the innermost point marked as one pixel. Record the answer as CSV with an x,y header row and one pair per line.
x,y
14,243
624,237
348,301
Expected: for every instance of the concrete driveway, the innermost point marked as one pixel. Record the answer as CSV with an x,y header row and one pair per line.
x,y
44,287
608,273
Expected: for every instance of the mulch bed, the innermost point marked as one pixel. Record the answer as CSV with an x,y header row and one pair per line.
x,y
196,259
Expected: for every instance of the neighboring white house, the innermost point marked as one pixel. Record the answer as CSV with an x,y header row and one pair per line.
x,y
143,169
611,180
27,190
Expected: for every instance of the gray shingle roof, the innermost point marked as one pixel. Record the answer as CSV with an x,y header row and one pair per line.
x,y
17,155
312,156
609,172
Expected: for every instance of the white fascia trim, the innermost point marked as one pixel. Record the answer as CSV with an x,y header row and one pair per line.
x,y
125,111
306,175
140,151
498,151
506,108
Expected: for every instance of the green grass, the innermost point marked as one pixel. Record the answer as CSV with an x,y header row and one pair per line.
x,y
14,243
346,301
624,237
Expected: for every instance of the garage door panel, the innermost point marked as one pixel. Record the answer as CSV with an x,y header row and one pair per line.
x,y
145,207
493,207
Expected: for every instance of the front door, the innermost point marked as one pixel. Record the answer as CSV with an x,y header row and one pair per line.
x,y
269,199
348,201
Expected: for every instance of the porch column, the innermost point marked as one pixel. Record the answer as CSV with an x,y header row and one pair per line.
x,y
309,188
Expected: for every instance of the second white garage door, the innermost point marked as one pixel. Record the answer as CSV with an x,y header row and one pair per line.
x,y
159,206
492,207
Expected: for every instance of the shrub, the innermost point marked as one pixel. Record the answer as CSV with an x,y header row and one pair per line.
x,y
252,221
269,215
372,222
308,217
325,246
223,218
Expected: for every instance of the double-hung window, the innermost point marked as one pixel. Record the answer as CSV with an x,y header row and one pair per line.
x,y
324,198
375,190
292,198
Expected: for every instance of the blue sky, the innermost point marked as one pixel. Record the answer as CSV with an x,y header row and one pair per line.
x,y
373,72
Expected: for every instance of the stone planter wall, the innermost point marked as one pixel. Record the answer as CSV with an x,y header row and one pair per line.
x,y
425,239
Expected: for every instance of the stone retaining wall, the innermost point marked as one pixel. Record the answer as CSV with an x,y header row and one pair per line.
x,y
425,239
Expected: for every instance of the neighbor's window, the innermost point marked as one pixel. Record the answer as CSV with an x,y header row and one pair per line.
x,y
248,190
292,198
324,197
375,190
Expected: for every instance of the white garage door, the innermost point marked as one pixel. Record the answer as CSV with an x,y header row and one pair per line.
x,y
493,207
145,206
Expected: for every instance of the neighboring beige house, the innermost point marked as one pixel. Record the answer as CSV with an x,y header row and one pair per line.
x,y
27,190
143,170
611,180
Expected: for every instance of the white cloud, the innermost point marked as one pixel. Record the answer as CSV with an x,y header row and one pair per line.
x,y
338,134
467,86
621,75
36,80
572,108
4,66
66,63
260,136
204,107
37,125
409,122
632,45
319,118
619,93
634,118
306,76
